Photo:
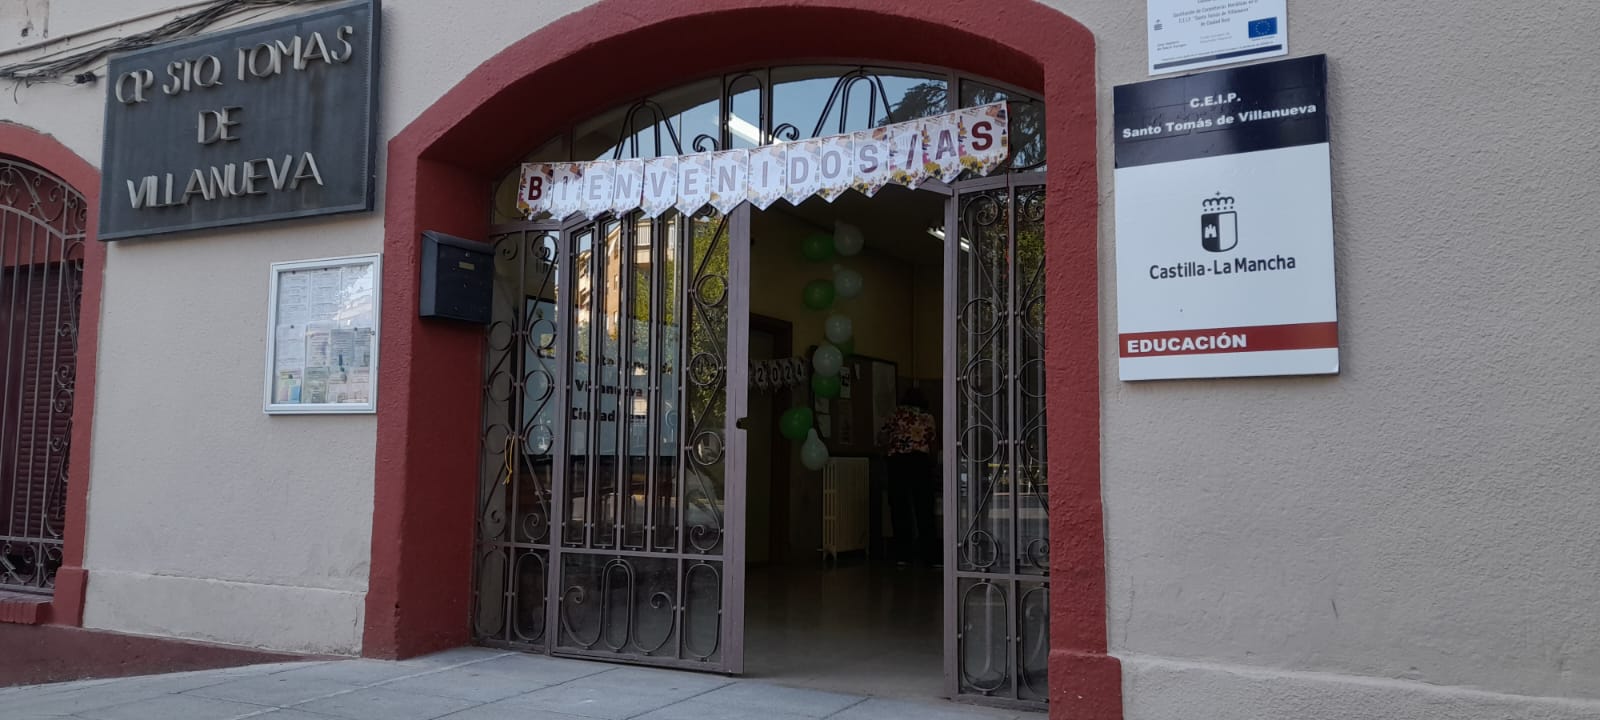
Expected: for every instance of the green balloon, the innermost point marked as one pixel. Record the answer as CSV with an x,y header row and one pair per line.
x,y
817,248
846,348
818,295
827,386
795,423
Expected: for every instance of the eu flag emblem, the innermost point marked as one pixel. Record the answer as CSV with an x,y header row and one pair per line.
x,y
1263,27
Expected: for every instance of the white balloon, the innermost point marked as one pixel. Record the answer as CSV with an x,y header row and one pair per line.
x,y
827,360
813,453
838,328
847,238
846,282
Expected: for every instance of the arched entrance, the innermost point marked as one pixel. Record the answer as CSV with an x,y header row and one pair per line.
x,y
50,307
420,588
43,223
630,489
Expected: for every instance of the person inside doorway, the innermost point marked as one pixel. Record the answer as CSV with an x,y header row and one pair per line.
x,y
908,438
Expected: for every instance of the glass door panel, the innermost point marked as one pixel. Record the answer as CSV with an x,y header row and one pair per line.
x,y
649,560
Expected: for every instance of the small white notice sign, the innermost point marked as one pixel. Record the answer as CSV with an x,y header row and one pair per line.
x,y
1191,34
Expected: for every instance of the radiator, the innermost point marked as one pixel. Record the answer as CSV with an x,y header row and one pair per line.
x,y
845,504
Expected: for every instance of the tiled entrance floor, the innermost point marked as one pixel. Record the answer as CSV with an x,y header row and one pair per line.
x,y
862,629
464,684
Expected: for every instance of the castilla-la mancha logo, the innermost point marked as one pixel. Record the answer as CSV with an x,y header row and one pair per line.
x,y
1219,224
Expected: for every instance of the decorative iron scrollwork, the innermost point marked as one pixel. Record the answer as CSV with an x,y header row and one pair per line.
x,y
44,227
616,629
517,443
1003,558
660,122
692,578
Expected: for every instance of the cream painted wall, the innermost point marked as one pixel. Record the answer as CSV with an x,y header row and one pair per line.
x,y
207,519
1414,538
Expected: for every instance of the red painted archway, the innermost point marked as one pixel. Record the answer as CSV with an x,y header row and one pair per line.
x,y
440,172
48,154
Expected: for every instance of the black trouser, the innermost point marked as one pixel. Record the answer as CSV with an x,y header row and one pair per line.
x,y
911,492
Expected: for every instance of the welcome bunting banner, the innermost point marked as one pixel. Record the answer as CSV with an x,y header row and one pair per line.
x,y
767,175
732,168
939,147
870,171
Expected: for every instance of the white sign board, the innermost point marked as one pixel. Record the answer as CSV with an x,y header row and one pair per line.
x,y
1224,219
1193,34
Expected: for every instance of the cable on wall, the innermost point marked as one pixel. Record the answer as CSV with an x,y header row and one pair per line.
x,y
58,65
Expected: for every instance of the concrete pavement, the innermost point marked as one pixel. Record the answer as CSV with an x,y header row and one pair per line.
x,y
463,684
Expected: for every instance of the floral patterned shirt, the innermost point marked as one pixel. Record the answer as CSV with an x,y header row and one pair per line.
x,y
909,430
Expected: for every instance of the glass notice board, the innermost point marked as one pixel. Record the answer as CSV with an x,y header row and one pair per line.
x,y
322,336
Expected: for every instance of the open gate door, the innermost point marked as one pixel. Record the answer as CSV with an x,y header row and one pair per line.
x,y
997,563
612,497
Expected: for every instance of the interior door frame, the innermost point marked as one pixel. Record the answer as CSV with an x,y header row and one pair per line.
x,y
782,332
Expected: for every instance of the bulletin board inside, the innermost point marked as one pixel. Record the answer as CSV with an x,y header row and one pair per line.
x,y
849,423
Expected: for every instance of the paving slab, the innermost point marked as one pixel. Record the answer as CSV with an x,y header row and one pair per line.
x,y
760,698
45,689
506,711
173,707
467,683
620,693
273,690
588,701
458,656
697,709
176,682
674,683
357,672
539,668
77,700
283,714
375,703
888,709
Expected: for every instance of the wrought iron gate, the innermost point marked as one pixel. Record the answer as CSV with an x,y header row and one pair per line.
x,y
611,516
42,222
997,561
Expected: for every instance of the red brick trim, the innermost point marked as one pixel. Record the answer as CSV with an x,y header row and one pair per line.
x,y
19,609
